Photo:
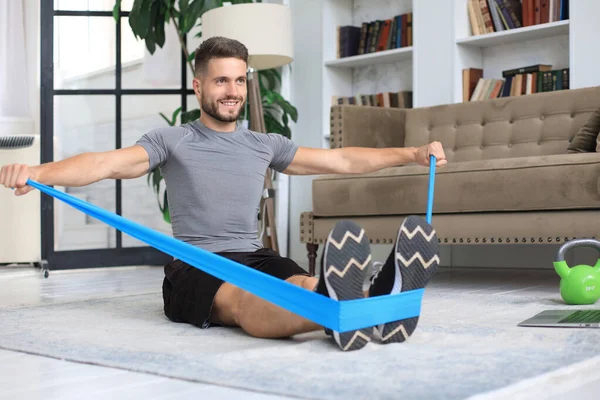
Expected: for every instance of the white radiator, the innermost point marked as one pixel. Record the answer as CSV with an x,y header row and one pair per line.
x,y
20,225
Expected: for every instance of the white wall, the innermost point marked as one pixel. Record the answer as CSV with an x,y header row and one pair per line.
x,y
583,42
306,96
32,39
432,65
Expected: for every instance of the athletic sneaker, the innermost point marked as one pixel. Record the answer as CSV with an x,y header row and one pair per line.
x,y
344,267
411,263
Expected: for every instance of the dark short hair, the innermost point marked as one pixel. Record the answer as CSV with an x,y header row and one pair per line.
x,y
218,47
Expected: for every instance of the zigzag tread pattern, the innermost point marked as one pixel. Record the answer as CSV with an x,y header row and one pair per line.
x,y
347,235
357,334
400,328
352,262
418,256
420,230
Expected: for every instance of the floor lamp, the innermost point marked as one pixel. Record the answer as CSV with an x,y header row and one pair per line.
x,y
266,30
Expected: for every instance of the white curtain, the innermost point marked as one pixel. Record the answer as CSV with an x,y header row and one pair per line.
x,y
13,65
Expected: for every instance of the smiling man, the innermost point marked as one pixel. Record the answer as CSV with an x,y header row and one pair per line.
x,y
214,169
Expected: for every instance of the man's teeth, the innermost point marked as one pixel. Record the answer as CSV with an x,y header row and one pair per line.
x,y
229,103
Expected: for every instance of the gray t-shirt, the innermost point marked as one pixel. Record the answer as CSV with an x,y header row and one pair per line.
x,y
215,180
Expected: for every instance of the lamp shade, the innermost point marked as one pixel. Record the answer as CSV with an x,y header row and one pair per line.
x,y
265,29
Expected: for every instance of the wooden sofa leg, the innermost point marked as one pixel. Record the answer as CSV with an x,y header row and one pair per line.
x,y
312,257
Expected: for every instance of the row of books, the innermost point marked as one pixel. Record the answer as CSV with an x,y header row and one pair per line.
x,y
375,36
487,16
520,81
401,99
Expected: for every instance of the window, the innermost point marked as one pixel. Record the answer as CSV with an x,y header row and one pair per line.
x,y
100,92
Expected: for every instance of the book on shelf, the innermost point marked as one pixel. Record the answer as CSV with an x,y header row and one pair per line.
x,y
471,77
401,99
488,16
516,82
374,36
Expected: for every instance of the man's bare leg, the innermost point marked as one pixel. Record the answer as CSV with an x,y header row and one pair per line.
x,y
258,317
236,307
347,256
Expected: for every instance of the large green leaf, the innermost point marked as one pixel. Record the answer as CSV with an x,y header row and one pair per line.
x,y
274,126
160,30
272,77
183,7
195,9
173,119
153,17
276,98
275,72
263,87
190,116
138,18
147,21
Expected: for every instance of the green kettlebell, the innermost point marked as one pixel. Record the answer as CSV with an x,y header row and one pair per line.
x,y
579,284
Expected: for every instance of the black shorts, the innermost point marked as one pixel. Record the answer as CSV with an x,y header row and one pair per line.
x,y
188,292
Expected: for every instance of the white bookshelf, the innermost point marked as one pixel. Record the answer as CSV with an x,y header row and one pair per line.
x,y
443,45
389,70
518,35
365,60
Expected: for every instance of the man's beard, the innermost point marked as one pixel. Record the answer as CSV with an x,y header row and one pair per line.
x,y
212,109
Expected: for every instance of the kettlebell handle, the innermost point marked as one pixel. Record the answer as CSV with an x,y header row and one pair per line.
x,y
560,256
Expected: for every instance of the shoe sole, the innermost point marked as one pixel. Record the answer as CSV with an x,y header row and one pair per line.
x,y
416,261
347,257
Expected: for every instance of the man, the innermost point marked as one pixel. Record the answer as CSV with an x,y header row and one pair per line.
x,y
214,169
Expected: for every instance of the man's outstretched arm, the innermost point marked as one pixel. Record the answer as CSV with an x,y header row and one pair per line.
x,y
361,160
79,170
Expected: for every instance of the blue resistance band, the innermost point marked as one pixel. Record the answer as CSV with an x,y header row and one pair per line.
x,y
340,316
432,162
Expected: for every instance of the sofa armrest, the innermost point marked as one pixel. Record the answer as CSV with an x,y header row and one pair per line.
x,y
366,126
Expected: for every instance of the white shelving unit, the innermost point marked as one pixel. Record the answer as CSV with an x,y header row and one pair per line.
x,y
389,70
518,35
365,60
443,45
494,52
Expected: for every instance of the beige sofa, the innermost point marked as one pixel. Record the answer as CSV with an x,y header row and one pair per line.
x,y
521,170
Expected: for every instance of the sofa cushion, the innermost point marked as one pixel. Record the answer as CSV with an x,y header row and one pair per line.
x,y
539,124
565,181
585,139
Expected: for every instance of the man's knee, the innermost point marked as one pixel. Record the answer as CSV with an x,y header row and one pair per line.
x,y
304,281
226,308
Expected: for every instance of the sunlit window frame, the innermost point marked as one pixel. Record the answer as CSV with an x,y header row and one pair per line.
x,y
118,256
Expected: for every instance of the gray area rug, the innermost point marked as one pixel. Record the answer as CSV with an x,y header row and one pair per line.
x,y
465,344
